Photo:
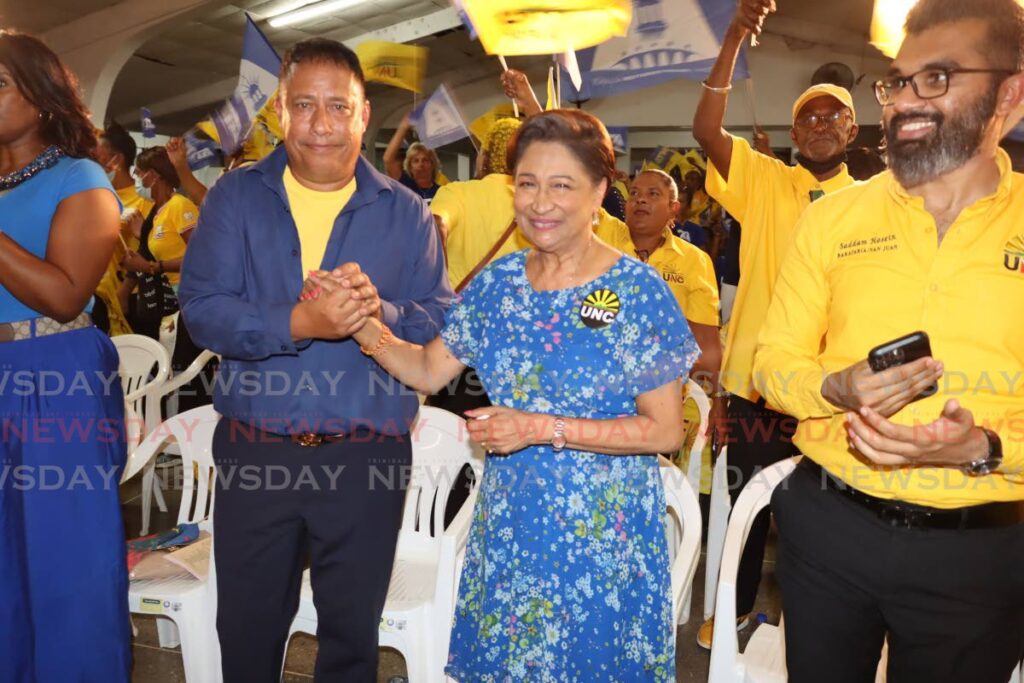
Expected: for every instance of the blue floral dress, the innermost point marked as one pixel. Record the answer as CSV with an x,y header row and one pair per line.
x,y
566,575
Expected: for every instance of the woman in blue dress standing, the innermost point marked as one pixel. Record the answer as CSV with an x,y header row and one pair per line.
x,y
582,351
63,580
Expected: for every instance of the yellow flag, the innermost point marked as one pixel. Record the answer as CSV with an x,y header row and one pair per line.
x,y
265,134
887,24
395,64
528,27
481,125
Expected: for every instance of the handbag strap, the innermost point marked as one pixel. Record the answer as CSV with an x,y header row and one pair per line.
x,y
487,257
147,227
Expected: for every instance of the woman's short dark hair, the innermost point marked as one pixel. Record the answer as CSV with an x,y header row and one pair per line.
x,y
579,132
322,50
156,159
50,87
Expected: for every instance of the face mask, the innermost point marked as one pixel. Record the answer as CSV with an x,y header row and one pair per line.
x,y
111,175
144,192
821,167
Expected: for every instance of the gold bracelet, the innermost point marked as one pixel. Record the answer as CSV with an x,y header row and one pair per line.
x,y
386,340
716,90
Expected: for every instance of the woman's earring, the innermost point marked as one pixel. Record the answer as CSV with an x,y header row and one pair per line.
x,y
597,219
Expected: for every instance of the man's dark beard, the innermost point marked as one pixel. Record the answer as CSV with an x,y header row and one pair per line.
x,y
821,167
952,145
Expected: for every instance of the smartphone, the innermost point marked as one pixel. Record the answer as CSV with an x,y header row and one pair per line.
x,y
900,352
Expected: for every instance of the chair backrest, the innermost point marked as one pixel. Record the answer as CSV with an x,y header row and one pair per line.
x,y
144,366
440,449
133,430
754,497
684,512
193,432
695,462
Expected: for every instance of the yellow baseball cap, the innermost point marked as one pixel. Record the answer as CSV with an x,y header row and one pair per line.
x,y
824,90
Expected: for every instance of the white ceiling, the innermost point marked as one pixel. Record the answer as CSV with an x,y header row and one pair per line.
x,y
205,50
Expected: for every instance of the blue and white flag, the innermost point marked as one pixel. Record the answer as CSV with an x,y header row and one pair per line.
x,y
438,121
668,39
148,127
201,151
256,83
619,136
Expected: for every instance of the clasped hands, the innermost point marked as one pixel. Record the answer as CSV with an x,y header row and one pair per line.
x,y
336,304
870,398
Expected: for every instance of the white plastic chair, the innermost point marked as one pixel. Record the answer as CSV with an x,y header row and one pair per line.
x,y
421,596
157,474
133,437
144,367
683,522
695,463
764,660
718,521
186,608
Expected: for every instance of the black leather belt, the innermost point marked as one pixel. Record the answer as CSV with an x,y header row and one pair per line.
x,y
312,439
909,516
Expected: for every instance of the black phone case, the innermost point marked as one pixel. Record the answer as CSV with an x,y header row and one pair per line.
x,y
900,352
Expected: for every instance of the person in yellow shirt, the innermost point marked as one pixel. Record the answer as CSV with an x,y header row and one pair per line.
x,y
905,518
116,153
767,197
688,271
164,238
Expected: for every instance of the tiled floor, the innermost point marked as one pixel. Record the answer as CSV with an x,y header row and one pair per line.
x,y
154,664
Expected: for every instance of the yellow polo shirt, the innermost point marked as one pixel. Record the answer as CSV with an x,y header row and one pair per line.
x,y
767,197
477,213
686,269
865,268
314,213
173,219
131,199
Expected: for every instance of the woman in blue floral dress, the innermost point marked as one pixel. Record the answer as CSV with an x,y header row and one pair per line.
x,y
582,351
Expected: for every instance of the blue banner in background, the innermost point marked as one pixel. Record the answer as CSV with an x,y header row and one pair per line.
x,y
148,127
668,40
438,121
620,137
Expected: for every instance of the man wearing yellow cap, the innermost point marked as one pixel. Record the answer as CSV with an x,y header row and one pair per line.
x,y
767,197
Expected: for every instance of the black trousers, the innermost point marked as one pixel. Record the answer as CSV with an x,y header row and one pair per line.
x,y
277,502
757,437
951,602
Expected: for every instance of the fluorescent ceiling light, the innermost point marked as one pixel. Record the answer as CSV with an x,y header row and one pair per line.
x,y
297,16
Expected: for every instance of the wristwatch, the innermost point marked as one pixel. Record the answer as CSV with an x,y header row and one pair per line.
x,y
991,462
558,435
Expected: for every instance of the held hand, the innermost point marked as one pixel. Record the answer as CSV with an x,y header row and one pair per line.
x,y
350,276
718,430
750,14
761,142
334,314
516,86
131,223
135,263
885,392
505,430
177,153
951,440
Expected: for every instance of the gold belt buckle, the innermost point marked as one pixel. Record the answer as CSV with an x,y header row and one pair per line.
x,y
309,439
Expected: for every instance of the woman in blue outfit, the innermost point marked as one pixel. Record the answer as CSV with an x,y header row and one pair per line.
x,y
63,581
582,351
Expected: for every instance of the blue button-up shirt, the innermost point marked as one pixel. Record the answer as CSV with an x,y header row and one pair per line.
x,y
242,276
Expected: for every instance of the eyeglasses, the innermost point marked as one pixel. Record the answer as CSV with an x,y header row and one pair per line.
x,y
812,121
927,83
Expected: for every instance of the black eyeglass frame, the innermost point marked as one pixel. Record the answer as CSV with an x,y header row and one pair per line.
x,y
898,83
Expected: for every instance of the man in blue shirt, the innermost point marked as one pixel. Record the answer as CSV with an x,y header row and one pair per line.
x,y
313,448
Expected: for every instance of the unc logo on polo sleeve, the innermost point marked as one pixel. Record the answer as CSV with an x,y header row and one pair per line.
x,y
600,308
